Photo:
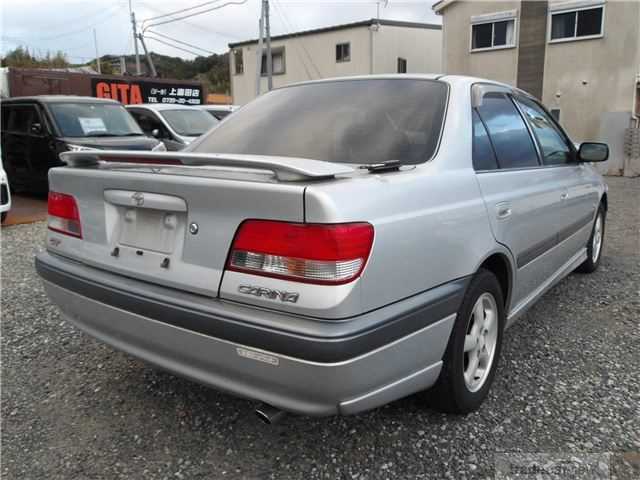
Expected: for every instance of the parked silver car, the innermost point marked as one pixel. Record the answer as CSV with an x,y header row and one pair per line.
x,y
333,245
175,125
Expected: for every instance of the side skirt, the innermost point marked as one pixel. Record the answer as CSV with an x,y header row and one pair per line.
x,y
530,299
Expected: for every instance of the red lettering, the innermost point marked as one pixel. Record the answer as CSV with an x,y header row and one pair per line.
x,y
124,93
135,95
102,90
114,91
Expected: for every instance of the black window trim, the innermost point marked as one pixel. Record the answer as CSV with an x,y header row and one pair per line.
x,y
575,37
347,58
494,47
274,50
482,89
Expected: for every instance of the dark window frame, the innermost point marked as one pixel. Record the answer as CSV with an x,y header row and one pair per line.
x,y
402,65
575,36
493,45
341,56
238,67
274,51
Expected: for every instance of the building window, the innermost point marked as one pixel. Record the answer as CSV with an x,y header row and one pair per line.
x,y
402,65
238,62
493,35
277,62
343,52
577,24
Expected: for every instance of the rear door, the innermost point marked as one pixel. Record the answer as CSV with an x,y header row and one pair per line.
x,y
522,197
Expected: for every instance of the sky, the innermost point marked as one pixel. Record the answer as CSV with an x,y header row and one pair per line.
x,y
68,25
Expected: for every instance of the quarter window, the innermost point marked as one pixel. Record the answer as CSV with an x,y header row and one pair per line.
x,y
509,135
553,145
493,35
586,23
343,52
484,157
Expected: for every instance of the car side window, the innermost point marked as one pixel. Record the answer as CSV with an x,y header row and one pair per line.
x,y
484,158
553,145
21,117
509,135
148,123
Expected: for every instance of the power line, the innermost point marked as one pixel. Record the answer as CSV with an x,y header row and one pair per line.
x,y
173,46
146,27
181,42
176,12
291,30
195,25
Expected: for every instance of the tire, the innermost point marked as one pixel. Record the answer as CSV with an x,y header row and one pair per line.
x,y
453,392
594,254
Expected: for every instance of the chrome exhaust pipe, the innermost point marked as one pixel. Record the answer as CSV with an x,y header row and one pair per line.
x,y
269,414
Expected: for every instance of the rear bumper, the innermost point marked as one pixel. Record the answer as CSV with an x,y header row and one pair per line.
x,y
301,365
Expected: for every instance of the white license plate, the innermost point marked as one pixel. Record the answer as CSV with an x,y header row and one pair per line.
x,y
149,229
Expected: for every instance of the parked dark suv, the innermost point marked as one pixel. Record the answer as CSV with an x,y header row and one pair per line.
x,y
35,130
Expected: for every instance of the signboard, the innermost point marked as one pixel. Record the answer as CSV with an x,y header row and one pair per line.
x,y
142,91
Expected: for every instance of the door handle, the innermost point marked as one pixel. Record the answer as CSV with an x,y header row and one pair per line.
x,y
564,196
504,210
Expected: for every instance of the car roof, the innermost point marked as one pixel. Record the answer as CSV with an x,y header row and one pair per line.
x,y
457,80
59,99
162,106
220,108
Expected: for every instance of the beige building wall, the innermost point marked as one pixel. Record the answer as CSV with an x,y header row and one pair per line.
x,y
313,56
421,47
500,65
308,57
587,79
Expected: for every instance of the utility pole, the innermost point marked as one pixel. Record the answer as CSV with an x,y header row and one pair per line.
x,y
269,57
135,38
95,41
259,52
146,53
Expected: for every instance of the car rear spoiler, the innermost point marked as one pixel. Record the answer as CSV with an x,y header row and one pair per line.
x,y
284,168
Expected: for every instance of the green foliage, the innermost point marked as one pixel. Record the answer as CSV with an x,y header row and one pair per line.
x,y
213,70
22,57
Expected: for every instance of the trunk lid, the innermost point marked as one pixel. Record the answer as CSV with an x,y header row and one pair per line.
x,y
174,224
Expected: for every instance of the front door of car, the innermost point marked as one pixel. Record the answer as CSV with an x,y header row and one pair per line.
x,y
522,198
42,154
16,145
580,195
150,124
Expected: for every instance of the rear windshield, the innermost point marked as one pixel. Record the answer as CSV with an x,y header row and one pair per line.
x,y
346,121
93,120
190,123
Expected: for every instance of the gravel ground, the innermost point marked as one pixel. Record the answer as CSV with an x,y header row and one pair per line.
x,y
568,383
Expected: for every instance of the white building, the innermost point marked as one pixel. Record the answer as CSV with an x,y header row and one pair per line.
x,y
367,47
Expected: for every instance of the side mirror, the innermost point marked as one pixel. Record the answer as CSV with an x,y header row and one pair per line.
x,y
155,133
593,152
36,129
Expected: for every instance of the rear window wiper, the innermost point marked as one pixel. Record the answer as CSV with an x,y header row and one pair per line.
x,y
386,166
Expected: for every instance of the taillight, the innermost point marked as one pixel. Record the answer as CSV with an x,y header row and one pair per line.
x,y
304,252
63,214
